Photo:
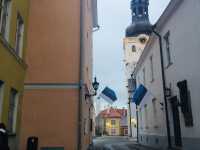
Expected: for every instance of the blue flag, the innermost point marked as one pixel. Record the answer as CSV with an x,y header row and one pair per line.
x,y
139,94
108,95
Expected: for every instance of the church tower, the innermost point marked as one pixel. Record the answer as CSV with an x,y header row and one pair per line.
x,y
140,19
137,35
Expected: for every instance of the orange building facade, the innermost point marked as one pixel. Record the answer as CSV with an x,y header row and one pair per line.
x,y
59,56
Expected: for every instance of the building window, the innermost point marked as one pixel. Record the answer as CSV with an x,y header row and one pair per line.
x,y
86,126
113,131
140,116
113,122
146,116
140,11
138,80
144,76
152,68
12,114
167,48
91,125
19,35
155,113
1,98
133,48
5,18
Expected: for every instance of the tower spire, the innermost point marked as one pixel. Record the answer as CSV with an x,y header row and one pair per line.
x,y
140,18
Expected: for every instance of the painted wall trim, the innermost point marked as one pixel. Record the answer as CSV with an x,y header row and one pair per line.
x,y
44,86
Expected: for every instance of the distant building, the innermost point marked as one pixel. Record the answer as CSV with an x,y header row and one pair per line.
x,y
56,110
180,30
112,122
13,46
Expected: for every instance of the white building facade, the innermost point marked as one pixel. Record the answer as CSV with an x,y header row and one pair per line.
x,y
180,30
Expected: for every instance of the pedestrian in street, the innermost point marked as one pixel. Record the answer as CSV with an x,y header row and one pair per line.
x,y
3,137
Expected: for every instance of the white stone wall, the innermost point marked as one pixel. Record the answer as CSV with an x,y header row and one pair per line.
x,y
184,26
151,114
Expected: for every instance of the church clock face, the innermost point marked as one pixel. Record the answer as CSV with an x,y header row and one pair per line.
x,y
142,40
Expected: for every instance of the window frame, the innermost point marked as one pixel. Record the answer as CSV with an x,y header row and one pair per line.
x,y
133,49
151,68
13,111
19,37
5,18
1,98
168,54
146,117
113,131
113,124
144,76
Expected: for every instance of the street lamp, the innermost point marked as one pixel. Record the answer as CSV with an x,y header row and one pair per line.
x,y
95,86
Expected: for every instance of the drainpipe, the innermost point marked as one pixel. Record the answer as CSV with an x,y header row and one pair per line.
x,y
137,118
164,88
81,78
130,123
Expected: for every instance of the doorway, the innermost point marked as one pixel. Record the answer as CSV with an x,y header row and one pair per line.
x,y
176,121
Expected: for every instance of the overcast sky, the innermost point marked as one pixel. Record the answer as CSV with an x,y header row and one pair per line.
x,y
114,16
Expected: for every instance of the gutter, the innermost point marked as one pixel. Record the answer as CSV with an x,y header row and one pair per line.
x,y
81,78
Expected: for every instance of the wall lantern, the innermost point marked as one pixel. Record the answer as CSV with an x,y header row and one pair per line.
x,y
95,86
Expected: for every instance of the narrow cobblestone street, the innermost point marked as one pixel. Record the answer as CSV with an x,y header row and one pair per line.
x,y
117,143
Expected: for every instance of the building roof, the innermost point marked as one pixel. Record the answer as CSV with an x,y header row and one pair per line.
x,y
113,113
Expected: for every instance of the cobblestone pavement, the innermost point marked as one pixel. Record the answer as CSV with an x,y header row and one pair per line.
x,y
117,143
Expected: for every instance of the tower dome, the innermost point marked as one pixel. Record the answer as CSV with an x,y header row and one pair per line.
x,y
140,19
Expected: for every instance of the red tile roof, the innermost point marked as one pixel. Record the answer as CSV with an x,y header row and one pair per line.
x,y
113,113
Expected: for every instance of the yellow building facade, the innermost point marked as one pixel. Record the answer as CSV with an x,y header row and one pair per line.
x,y
13,29
112,126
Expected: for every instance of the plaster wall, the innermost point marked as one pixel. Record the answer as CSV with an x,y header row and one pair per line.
x,y
184,44
50,115
53,41
151,112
